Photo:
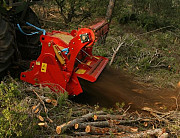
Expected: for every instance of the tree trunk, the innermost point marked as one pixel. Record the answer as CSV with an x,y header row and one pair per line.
x,y
109,16
110,10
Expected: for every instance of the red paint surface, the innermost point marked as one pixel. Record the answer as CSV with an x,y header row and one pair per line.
x,y
62,77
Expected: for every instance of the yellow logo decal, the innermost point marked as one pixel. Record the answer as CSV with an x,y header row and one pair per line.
x,y
43,67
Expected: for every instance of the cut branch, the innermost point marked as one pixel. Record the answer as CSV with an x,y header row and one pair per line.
x,y
126,128
63,127
45,109
151,132
108,123
155,114
45,99
100,131
107,117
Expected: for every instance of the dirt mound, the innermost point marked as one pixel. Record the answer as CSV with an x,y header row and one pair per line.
x,y
116,86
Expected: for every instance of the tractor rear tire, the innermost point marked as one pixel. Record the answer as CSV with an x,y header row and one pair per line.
x,y
7,44
29,45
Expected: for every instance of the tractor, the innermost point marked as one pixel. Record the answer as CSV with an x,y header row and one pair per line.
x,y
14,45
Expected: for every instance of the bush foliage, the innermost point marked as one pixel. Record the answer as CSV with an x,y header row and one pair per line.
x,y
149,14
13,116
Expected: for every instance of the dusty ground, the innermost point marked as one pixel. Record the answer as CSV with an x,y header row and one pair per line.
x,y
116,86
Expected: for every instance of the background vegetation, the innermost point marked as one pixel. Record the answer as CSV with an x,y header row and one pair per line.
x,y
150,51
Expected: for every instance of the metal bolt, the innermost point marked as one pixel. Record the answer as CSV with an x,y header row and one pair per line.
x,y
49,44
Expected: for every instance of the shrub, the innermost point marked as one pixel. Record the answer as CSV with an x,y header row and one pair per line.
x,y
13,110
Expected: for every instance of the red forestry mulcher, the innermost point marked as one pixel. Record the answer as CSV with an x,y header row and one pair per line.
x,y
65,57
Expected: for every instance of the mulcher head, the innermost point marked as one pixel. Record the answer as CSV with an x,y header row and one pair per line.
x,y
65,57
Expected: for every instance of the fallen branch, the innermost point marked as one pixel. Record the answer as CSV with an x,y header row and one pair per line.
x,y
40,118
108,123
44,124
88,135
100,131
46,99
45,109
160,118
108,117
81,134
151,132
126,128
154,111
35,108
117,49
63,127
155,114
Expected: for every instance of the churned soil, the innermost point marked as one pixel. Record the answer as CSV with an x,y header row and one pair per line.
x,y
115,86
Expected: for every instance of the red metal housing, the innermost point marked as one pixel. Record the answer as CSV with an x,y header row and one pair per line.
x,y
65,57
